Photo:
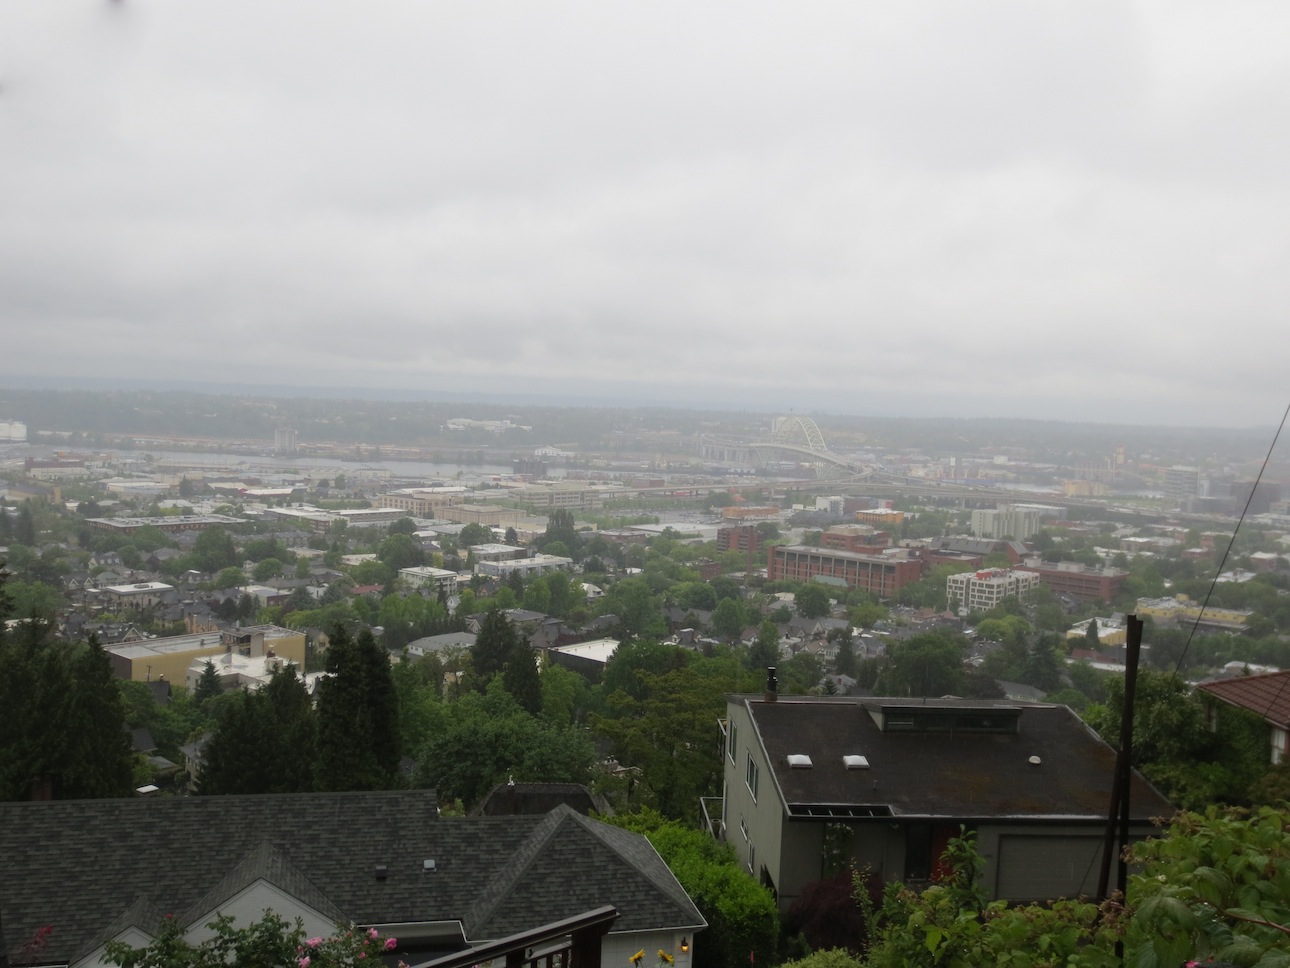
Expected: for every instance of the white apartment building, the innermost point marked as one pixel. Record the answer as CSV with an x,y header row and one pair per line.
x,y
980,591
1015,521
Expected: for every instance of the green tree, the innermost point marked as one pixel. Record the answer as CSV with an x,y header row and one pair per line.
x,y
358,716
743,919
521,678
266,569
634,605
812,600
229,578
213,550
484,739
925,665
63,726
400,551
495,643
98,761
729,618
24,531
474,534
667,734
765,650
208,686
265,741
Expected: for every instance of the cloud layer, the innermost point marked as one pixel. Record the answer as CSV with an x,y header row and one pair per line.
x,y
1073,211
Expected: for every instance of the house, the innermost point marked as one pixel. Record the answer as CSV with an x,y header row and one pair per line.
x,y
893,779
96,870
1267,696
521,799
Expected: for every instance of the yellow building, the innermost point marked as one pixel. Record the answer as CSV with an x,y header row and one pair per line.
x,y
879,516
1109,632
169,657
1182,610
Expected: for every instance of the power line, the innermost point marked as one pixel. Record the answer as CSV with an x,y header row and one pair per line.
x,y
1244,511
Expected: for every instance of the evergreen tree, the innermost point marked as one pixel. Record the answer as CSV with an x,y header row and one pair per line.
x,y
846,663
1091,638
24,532
98,761
358,716
265,742
493,646
62,731
208,685
765,650
521,677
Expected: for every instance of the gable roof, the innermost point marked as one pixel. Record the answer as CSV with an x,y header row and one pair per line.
x,y
1268,694
594,864
91,868
513,799
947,773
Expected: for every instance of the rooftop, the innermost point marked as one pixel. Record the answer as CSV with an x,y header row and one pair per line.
x,y
940,758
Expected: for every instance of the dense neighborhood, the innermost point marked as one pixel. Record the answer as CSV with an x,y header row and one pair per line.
x,y
700,689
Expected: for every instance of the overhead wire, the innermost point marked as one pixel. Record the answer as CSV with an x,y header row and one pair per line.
x,y
1239,521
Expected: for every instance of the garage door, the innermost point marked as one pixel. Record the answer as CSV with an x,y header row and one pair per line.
x,y
1045,867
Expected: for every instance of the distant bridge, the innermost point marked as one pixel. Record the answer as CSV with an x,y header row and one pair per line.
x,y
793,438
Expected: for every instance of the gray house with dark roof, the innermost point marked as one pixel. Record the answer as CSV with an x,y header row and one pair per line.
x,y
896,778
95,870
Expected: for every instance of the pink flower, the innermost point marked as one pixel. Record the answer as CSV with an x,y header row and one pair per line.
x,y
314,942
303,962
371,933
362,954
391,944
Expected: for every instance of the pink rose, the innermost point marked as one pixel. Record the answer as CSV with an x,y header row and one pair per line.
x,y
371,933
303,962
314,942
391,944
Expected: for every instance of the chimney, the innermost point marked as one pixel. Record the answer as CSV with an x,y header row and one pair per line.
x,y
772,685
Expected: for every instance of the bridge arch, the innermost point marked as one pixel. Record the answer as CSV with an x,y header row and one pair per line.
x,y
786,427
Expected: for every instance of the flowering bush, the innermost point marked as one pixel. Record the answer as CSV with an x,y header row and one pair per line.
x,y
271,942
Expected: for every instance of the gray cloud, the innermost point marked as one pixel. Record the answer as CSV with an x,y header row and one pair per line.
x,y
1001,208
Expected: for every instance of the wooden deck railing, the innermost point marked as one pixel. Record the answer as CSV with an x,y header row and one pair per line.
x,y
576,945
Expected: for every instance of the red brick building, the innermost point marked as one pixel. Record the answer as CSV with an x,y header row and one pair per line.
x,y
1087,583
742,538
881,575
859,538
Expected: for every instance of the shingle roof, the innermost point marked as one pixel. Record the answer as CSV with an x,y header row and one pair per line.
x,y
513,799
594,864
944,774
90,868
1268,695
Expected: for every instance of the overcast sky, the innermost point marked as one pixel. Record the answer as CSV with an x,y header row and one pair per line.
x,y
1074,210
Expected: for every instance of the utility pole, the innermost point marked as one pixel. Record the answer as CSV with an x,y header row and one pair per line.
x,y
1118,811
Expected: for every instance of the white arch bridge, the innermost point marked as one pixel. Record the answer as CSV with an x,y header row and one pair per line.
x,y
793,438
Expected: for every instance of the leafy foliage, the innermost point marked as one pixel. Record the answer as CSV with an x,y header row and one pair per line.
x,y
271,942
743,920
1217,885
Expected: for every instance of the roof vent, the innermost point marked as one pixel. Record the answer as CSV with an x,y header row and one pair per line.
x,y
1035,761
427,866
382,872
799,761
854,761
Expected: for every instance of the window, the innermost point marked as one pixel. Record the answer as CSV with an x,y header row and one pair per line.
x,y
752,860
751,777
732,739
